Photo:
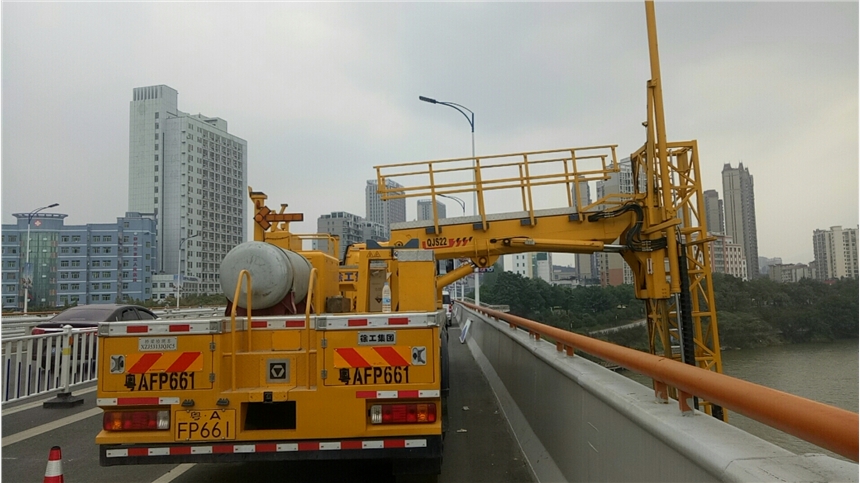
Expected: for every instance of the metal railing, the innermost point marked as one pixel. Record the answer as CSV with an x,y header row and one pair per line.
x,y
34,364
18,326
826,426
554,175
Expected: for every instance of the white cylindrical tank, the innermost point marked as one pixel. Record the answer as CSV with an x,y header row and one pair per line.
x,y
274,273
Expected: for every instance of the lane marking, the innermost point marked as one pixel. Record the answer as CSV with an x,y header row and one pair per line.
x,y
174,473
18,437
35,404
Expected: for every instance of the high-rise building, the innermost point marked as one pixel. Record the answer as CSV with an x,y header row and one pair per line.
x,y
191,174
83,264
586,263
739,205
765,263
371,230
611,267
835,253
543,266
347,227
425,210
714,212
728,257
520,263
383,212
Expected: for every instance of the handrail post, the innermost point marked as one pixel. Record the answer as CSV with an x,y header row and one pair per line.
x,y
308,299
244,274
64,398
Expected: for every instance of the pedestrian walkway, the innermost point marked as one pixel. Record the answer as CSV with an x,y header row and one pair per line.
x,y
479,446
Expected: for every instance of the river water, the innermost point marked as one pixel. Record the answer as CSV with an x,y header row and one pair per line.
x,y
825,372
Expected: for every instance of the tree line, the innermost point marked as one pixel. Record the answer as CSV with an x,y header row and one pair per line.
x,y
750,313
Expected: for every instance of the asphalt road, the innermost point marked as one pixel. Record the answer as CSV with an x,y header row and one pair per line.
x,y
479,446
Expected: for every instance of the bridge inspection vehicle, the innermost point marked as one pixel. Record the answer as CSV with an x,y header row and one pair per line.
x,y
657,225
320,357
314,360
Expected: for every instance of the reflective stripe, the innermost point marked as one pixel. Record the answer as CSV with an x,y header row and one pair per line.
x,y
376,356
137,401
396,394
164,362
414,319
352,444
154,327
54,469
294,323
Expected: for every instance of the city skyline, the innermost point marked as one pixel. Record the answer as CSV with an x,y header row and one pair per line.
x,y
731,73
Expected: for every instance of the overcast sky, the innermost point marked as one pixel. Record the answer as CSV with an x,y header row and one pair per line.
x,y
324,92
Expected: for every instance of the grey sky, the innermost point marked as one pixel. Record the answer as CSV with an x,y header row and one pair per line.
x,y
323,92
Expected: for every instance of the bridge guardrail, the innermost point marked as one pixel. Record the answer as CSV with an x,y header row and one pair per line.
x,y
33,364
826,426
19,326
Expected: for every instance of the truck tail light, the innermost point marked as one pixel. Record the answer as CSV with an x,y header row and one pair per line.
x,y
402,413
136,420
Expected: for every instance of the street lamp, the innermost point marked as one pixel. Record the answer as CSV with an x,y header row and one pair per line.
x,y
27,269
463,206
179,272
458,200
471,119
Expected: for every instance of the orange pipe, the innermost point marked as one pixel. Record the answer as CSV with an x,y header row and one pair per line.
x,y
826,426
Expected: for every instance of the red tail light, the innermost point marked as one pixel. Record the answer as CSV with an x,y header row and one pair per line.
x,y
135,420
37,331
402,413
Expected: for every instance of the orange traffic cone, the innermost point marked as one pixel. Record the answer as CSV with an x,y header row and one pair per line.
x,y
54,470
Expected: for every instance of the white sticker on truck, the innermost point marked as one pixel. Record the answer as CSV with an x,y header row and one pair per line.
x,y
151,344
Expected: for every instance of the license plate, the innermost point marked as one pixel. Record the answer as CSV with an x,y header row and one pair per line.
x,y
374,375
160,381
216,424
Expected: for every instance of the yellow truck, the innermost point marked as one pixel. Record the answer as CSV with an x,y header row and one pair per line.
x,y
309,361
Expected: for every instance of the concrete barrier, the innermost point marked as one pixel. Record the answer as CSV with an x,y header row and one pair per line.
x,y
577,421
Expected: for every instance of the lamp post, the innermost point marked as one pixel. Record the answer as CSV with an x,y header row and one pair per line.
x,y
471,118
463,206
27,283
179,272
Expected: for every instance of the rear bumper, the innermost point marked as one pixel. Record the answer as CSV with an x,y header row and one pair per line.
x,y
411,447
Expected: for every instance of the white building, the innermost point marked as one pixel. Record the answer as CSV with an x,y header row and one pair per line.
x,y
543,266
383,212
192,175
728,257
520,263
789,272
164,287
835,253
